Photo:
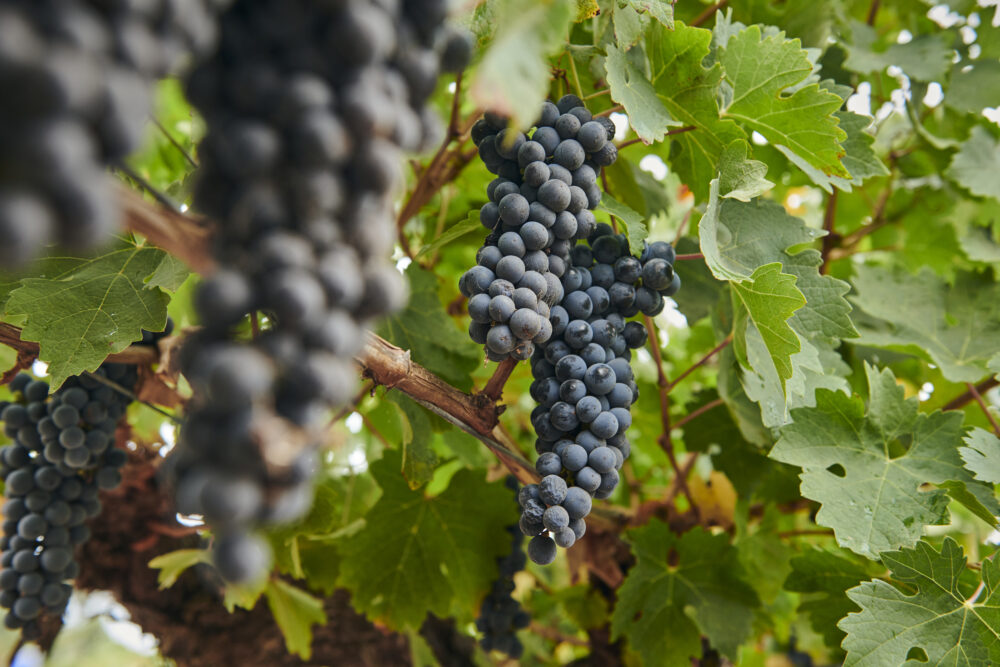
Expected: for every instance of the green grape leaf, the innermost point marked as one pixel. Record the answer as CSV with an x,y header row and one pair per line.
x,y
688,91
635,229
739,177
426,330
80,310
169,275
977,163
925,57
173,564
982,455
295,612
826,575
630,88
860,159
417,554
938,609
759,69
977,498
679,589
768,299
815,366
974,86
884,454
956,326
306,549
513,76
419,459
456,231
660,10
629,25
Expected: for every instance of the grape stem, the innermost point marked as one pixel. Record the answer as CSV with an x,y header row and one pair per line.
x,y
962,400
680,130
697,413
662,385
494,387
126,392
982,405
829,217
690,256
176,144
708,13
443,167
718,348
148,187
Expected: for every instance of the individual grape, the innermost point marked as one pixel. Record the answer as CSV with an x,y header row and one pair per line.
x,y
548,463
512,243
605,425
241,558
587,409
542,550
577,503
513,209
564,537
554,194
570,154
588,479
552,489
555,518
592,136
574,457
500,308
567,125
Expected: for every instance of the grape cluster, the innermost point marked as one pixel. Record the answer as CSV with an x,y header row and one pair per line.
x,y
584,384
63,454
539,205
77,77
309,108
501,615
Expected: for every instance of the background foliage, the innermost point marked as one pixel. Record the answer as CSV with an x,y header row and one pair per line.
x,y
815,444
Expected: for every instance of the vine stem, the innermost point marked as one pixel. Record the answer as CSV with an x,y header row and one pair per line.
x,y
161,197
172,140
662,386
437,171
684,223
829,217
576,77
111,384
494,387
718,348
680,130
711,405
607,112
708,13
693,255
603,91
963,399
982,405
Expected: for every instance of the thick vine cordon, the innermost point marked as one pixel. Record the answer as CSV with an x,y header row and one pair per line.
x,y
309,106
77,78
537,293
